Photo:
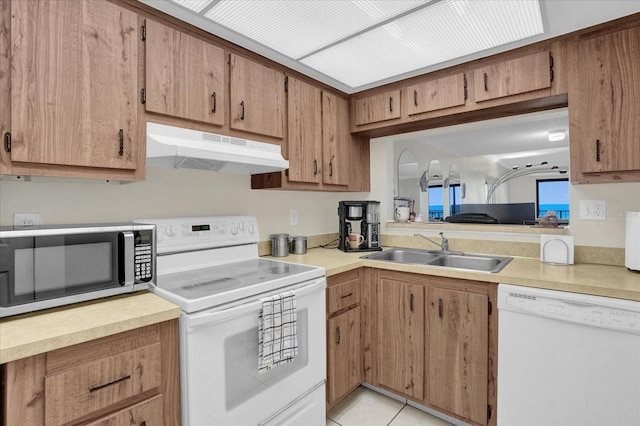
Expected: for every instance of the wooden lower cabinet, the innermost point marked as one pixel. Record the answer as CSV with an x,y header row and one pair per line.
x,y
344,339
457,352
432,340
401,335
123,379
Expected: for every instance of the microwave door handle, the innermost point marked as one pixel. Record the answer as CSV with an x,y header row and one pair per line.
x,y
126,260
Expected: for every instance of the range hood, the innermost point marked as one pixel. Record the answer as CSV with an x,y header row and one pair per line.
x,y
175,147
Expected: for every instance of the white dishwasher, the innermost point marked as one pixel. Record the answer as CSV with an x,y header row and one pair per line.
x,y
567,359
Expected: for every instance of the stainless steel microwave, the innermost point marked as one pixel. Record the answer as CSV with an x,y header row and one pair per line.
x,y
45,267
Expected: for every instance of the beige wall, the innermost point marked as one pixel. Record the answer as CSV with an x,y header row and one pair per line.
x,y
172,193
169,193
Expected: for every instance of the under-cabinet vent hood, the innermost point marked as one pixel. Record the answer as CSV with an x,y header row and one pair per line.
x,y
175,147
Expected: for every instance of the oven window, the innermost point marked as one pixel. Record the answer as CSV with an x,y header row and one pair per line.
x,y
44,269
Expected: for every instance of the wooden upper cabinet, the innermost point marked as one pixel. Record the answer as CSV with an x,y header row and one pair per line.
x,y
442,93
401,336
336,140
74,94
376,108
184,75
604,104
512,77
304,131
257,98
457,352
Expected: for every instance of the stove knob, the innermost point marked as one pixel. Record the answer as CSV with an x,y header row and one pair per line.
x,y
241,226
170,231
234,230
252,229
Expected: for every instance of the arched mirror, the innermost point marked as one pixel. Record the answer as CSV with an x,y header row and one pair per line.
x,y
434,186
408,175
455,190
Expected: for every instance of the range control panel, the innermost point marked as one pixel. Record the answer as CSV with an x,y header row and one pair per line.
x,y
196,233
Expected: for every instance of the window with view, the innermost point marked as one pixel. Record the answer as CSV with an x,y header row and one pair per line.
x,y
553,195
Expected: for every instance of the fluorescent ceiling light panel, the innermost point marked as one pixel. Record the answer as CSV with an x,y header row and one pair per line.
x,y
441,32
296,28
194,5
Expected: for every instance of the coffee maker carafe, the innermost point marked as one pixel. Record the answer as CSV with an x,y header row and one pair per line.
x,y
359,225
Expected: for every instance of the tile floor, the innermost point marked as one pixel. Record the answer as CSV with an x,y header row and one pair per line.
x,y
365,407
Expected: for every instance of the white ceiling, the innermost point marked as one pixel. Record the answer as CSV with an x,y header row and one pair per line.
x,y
354,45
509,141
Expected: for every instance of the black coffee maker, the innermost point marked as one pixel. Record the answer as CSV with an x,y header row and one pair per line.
x,y
359,225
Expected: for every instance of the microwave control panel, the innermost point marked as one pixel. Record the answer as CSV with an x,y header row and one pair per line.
x,y
143,255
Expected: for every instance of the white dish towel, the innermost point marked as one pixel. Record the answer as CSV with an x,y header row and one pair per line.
x,y
277,331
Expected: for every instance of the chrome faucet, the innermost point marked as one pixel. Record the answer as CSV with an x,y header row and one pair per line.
x,y
444,245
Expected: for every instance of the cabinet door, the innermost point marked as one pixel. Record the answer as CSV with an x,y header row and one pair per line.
x,y
304,132
257,97
521,75
336,140
457,352
147,413
446,92
373,109
400,337
184,75
74,94
344,356
605,109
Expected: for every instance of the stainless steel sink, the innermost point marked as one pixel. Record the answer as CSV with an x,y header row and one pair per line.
x,y
470,262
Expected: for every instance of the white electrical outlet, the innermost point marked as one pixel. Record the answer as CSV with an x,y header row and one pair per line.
x,y
293,217
593,209
26,219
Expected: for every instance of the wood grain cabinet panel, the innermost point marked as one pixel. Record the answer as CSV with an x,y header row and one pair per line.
x,y
184,75
442,93
257,97
304,131
337,141
401,336
344,360
604,105
147,413
512,77
74,94
376,108
457,352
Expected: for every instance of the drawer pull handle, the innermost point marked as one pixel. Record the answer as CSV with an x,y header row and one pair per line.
x,y
415,97
597,149
242,114
97,388
213,102
486,85
390,104
440,308
337,335
411,302
346,295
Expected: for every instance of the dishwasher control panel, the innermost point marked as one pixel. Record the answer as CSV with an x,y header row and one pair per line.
x,y
588,310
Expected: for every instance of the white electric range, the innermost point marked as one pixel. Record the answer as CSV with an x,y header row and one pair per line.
x,y
209,266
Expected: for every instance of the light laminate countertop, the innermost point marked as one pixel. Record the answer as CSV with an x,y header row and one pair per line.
x,y
25,335
599,280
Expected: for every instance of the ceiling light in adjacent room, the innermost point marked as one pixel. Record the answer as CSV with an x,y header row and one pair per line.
x,y
557,135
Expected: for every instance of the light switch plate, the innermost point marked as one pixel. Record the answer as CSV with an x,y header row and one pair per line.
x,y
593,209
293,217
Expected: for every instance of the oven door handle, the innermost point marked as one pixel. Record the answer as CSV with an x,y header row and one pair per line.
x,y
196,320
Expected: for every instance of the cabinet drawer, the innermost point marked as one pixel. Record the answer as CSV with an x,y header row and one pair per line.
x,y
343,295
148,413
91,386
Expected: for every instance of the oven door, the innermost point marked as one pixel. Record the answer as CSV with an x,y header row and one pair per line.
x,y
219,361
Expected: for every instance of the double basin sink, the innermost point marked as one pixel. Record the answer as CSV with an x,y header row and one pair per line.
x,y
457,260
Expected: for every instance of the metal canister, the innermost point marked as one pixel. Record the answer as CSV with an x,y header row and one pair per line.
x,y
279,245
298,245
